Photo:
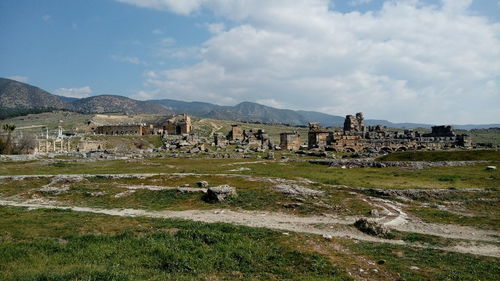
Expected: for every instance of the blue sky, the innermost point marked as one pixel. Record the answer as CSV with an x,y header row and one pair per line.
x,y
408,60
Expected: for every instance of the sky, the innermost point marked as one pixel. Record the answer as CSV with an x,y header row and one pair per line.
x,y
426,61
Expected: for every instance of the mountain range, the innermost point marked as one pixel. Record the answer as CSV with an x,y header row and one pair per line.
x,y
14,94
20,96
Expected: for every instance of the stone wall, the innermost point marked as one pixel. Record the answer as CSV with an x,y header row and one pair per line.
x,y
236,133
120,130
290,141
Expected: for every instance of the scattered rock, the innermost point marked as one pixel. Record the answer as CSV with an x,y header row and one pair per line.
x,y
292,205
220,193
371,163
374,213
240,169
491,168
124,194
381,262
372,228
54,190
270,155
297,190
97,193
202,184
63,180
327,236
191,190
415,194
185,185
414,267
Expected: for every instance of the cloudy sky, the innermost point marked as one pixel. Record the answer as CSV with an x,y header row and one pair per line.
x,y
433,61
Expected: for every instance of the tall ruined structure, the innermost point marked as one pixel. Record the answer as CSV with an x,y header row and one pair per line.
x,y
178,125
354,123
290,141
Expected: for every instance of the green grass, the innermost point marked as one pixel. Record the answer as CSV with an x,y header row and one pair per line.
x,y
435,215
475,176
453,155
431,264
252,195
63,245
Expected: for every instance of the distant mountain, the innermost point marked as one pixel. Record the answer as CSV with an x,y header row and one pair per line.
x,y
111,103
18,98
14,94
68,99
254,112
324,119
193,108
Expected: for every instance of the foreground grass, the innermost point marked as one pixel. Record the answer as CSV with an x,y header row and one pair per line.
x,y
66,245
429,264
434,215
452,155
63,245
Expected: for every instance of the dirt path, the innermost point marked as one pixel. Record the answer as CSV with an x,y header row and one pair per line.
x,y
321,225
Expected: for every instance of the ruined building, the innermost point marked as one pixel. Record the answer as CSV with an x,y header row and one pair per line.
x,y
252,137
356,137
257,137
318,137
126,129
178,125
290,141
236,133
220,139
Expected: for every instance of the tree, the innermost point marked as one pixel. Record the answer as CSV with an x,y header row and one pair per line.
x,y
7,147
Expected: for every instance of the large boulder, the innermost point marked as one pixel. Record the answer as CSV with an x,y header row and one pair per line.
x,y
202,184
372,228
220,193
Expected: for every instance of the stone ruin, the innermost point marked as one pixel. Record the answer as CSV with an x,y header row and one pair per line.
x,y
252,137
356,137
290,141
176,125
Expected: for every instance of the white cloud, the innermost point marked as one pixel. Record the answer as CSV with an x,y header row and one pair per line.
x,y
132,60
157,31
272,103
82,92
168,41
46,17
359,2
216,28
410,61
184,7
19,78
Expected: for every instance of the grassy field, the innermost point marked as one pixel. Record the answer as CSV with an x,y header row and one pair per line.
x,y
65,245
475,176
252,195
62,245
452,155
428,264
